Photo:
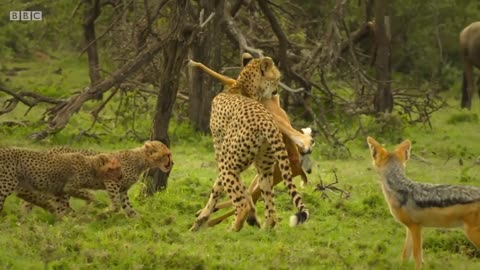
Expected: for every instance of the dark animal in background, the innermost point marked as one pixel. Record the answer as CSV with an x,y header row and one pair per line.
x,y
470,48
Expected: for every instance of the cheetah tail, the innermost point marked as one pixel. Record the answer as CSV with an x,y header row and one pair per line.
x,y
284,165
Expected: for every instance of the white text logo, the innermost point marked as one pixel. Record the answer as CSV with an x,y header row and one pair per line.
x,y
25,15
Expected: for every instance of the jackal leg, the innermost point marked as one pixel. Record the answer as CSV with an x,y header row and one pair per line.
x,y
407,247
472,229
416,235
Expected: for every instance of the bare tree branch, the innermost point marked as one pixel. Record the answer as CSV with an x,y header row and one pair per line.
x,y
59,115
237,34
29,99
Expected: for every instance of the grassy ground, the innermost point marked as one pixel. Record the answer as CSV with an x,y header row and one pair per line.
x,y
343,233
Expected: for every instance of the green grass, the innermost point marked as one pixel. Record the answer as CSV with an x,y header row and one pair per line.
x,y
343,233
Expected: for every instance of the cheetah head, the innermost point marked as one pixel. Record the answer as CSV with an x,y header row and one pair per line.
x,y
108,167
259,78
158,155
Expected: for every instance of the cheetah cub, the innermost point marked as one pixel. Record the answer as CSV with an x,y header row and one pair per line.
x,y
134,162
39,178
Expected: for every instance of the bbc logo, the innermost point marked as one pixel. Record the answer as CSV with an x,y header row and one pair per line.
x,y
25,15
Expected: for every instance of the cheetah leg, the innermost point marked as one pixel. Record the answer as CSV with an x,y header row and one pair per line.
x,y
244,207
208,209
27,207
73,190
62,204
126,205
82,194
37,198
63,201
229,203
113,190
5,190
217,145
212,222
265,184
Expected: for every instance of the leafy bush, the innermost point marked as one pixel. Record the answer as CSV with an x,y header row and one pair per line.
x,y
333,152
389,127
462,117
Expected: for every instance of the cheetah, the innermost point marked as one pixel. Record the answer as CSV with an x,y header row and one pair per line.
x,y
39,178
153,154
299,156
244,133
303,140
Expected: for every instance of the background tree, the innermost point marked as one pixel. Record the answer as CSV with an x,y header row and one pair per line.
x,y
383,101
207,49
324,50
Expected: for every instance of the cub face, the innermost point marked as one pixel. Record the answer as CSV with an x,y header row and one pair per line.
x,y
159,155
109,167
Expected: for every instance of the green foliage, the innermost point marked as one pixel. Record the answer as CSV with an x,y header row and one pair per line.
x,y
353,233
343,233
424,36
57,30
466,175
463,117
390,126
333,152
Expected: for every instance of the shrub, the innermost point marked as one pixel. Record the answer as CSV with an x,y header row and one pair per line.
x,y
463,117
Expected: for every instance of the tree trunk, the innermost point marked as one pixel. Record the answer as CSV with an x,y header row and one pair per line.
x,y
207,51
383,100
92,11
368,5
174,55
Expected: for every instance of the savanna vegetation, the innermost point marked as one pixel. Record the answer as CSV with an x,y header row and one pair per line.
x,y
108,75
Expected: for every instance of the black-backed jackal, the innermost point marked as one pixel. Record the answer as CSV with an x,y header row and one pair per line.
x,y
418,205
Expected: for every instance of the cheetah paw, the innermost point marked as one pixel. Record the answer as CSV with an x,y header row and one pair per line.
x,y
27,207
131,214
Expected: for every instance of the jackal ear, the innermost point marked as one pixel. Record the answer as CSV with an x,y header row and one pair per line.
x,y
246,57
403,150
374,147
